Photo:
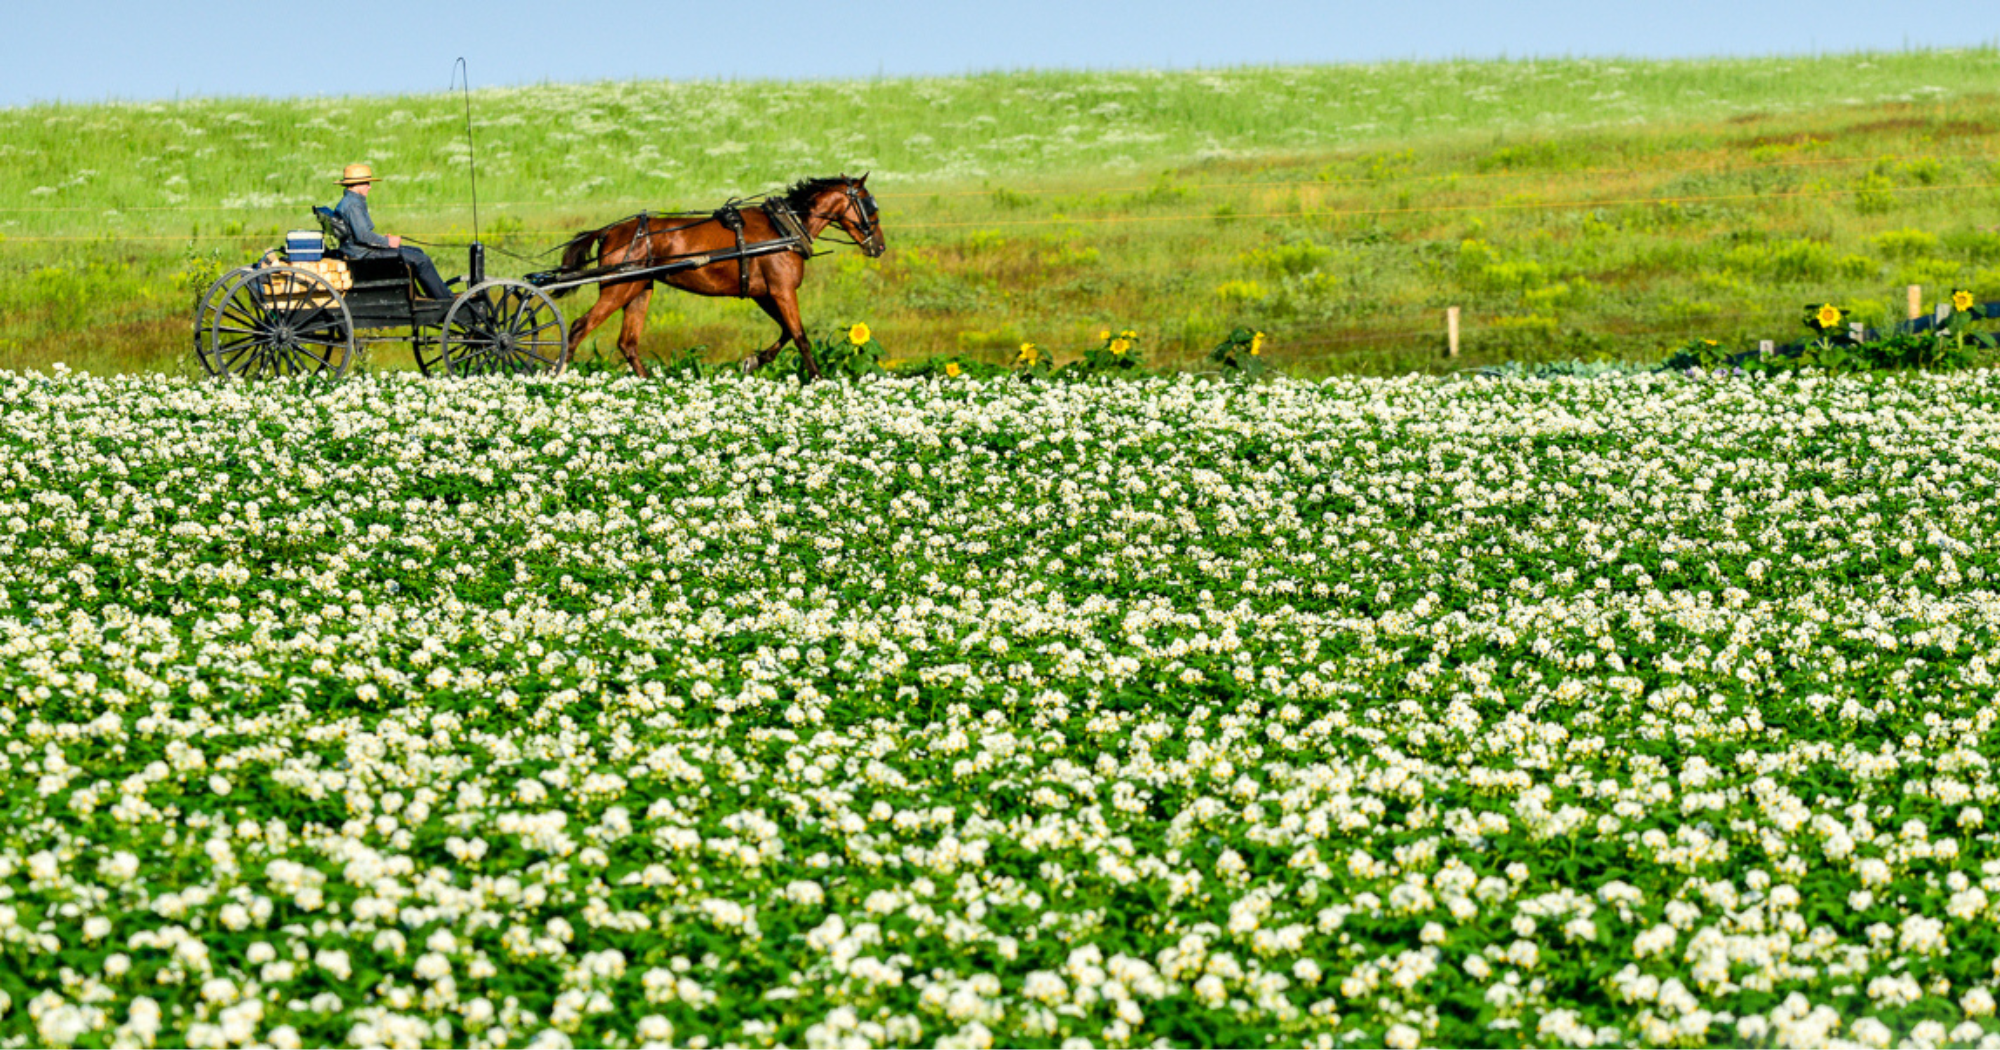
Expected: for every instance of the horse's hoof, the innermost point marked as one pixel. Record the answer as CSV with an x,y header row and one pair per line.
x,y
747,365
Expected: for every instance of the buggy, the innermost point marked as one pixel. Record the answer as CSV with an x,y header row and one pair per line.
x,y
305,310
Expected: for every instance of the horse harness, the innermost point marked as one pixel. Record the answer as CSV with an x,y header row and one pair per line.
x,y
791,233
790,228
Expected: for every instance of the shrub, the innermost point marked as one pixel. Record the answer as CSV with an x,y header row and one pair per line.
x,y
1976,244
1287,260
1786,261
1904,244
1241,292
1874,194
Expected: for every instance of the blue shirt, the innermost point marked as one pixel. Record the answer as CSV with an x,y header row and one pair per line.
x,y
363,241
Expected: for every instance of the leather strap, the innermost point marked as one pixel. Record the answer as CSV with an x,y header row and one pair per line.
x,y
786,222
731,217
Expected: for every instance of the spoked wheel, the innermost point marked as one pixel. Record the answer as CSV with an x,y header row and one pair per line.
x,y
275,322
204,311
503,328
427,342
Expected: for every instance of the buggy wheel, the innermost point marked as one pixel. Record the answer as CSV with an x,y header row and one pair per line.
x,y
275,322
204,311
427,343
503,328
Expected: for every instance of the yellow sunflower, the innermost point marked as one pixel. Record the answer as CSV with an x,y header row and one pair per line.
x,y
1120,345
1256,344
1961,300
1828,315
1030,353
858,335
951,369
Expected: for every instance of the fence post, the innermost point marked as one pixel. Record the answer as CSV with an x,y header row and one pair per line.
x,y
1916,301
1451,331
1766,347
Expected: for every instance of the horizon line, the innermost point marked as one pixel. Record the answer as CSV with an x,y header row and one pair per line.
x,y
1502,58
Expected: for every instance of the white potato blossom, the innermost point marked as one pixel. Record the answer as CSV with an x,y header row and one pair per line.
x,y
597,711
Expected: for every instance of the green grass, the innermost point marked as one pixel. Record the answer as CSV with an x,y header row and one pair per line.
x,y
1571,207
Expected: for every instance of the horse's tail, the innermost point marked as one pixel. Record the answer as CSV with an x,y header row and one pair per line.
x,y
577,254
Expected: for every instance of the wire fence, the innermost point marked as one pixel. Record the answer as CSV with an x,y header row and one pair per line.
x,y
1292,214
1177,187
1426,330
1124,217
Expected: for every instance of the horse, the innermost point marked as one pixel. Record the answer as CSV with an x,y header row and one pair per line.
x,y
772,279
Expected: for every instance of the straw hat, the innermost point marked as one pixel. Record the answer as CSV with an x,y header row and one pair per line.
x,y
356,174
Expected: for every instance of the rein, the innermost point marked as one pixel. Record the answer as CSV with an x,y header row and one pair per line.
x,y
863,211
857,220
779,212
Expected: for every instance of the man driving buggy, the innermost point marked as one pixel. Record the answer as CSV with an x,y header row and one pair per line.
x,y
364,243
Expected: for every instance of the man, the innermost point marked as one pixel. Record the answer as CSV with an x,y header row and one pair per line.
x,y
364,243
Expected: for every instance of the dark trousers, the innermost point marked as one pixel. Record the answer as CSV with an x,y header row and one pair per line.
x,y
427,272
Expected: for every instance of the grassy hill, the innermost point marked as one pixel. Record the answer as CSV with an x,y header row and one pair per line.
x,y
1570,207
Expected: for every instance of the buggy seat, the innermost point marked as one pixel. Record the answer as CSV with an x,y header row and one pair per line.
x,y
370,269
384,291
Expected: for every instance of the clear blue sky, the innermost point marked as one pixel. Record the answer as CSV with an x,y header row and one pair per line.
x,y
89,51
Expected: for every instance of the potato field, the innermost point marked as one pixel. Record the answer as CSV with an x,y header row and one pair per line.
x,y
1651,710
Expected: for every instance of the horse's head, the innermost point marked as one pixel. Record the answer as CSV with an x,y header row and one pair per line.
x,y
849,205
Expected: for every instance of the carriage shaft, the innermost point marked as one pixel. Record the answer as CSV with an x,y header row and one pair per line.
x,y
559,281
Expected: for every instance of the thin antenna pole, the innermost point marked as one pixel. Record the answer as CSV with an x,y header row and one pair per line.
x,y
464,79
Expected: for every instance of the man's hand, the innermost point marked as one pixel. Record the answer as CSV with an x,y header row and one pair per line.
x,y
395,241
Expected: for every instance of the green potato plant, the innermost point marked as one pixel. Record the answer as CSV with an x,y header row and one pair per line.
x,y
1504,710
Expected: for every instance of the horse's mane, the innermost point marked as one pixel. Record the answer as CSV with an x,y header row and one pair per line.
x,y
800,194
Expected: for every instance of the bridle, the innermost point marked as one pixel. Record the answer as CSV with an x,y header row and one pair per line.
x,y
861,204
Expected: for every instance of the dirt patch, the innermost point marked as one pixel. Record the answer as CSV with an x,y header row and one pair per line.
x,y
1929,127
1795,140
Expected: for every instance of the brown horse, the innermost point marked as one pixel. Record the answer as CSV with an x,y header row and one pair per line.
x,y
772,279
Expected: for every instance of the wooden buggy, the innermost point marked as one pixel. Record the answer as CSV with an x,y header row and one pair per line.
x,y
308,316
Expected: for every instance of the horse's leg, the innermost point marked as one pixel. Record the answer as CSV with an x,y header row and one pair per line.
x,y
769,354
635,326
610,299
786,298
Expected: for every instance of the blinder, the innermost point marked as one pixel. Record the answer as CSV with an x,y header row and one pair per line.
x,y
864,211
